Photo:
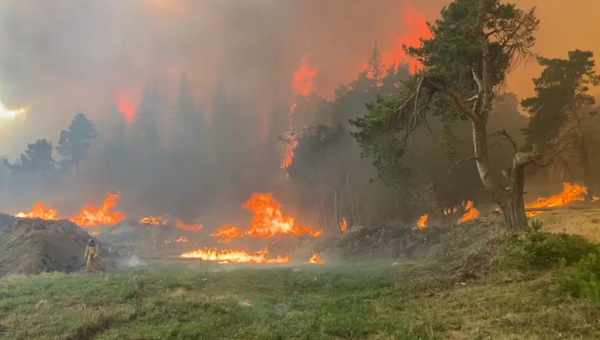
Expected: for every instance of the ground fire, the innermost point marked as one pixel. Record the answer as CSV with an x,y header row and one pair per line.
x,y
192,228
571,193
230,256
103,215
423,222
470,214
40,210
227,233
316,259
152,220
268,221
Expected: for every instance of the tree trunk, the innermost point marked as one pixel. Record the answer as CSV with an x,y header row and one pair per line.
x,y
509,199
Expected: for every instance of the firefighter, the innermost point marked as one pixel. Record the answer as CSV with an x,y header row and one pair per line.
x,y
91,256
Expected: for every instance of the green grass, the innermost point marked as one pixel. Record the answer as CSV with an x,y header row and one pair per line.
x,y
362,301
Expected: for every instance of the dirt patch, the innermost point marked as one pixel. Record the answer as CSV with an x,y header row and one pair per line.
x,y
32,246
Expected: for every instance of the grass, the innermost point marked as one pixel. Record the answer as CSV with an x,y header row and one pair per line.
x,y
360,301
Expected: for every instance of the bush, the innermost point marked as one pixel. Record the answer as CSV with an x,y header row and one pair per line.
x,y
540,249
584,280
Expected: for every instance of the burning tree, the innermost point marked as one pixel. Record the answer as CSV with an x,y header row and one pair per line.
x,y
473,46
561,108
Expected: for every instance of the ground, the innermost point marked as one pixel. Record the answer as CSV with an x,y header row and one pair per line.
x,y
451,283
362,301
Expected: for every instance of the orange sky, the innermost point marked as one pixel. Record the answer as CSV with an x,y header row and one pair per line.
x,y
565,25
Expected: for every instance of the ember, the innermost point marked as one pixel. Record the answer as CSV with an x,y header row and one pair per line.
x,y
104,215
343,225
181,239
152,220
229,256
423,222
192,228
316,259
40,210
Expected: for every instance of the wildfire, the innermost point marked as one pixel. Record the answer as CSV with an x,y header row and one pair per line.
x,y
229,256
290,153
343,225
316,259
227,233
181,239
193,228
423,222
91,216
416,29
40,210
270,221
126,106
470,214
152,220
303,82
571,193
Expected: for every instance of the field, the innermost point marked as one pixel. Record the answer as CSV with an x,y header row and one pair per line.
x,y
382,300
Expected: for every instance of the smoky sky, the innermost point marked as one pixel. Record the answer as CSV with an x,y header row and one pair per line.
x,y
65,56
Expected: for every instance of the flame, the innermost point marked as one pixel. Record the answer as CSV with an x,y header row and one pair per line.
x,y
571,193
91,216
343,225
228,256
126,106
227,233
316,259
181,239
270,221
470,214
152,220
40,210
193,228
303,82
290,153
417,29
423,222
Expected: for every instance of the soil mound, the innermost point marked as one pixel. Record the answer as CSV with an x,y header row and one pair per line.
x,y
32,246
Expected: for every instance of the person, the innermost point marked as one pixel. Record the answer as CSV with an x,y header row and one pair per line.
x,y
91,256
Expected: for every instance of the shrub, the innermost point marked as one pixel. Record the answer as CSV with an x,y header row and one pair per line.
x,y
539,249
584,280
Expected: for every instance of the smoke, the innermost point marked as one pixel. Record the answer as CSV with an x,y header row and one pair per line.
x,y
214,76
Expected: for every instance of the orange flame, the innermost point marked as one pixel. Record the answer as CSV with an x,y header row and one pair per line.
x,y
290,153
343,225
270,221
181,239
40,210
91,216
229,256
470,214
192,228
316,259
126,106
571,193
303,82
423,222
152,220
227,233
417,29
